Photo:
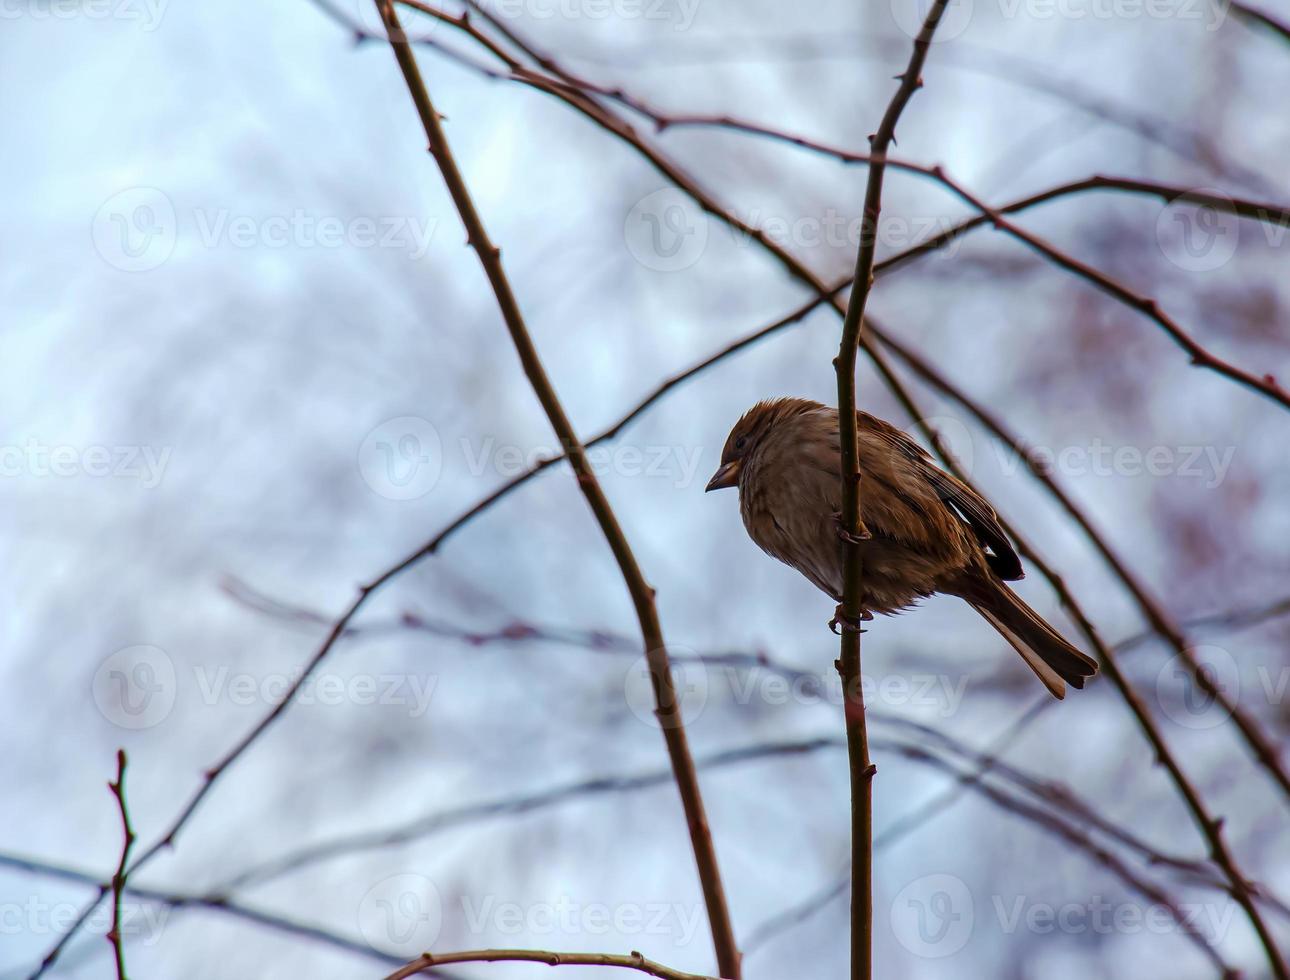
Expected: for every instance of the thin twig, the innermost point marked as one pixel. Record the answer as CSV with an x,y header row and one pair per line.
x,y
119,877
853,603
1200,357
1049,793
668,708
633,961
1191,143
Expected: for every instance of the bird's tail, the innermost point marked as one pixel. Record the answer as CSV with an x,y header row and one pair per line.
x,y
1055,661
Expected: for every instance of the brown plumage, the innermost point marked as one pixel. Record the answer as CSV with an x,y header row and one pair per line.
x,y
930,532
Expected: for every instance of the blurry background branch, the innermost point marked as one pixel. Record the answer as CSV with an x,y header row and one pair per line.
x,y
1260,18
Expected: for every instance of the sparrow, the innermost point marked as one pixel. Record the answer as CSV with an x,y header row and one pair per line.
x,y
928,532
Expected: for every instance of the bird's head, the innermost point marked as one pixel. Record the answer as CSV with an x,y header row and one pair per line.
x,y
748,434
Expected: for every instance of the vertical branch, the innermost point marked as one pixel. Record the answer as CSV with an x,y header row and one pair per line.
x,y
119,878
667,708
861,768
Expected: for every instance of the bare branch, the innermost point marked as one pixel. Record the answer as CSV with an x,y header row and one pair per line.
x,y
119,878
633,961
668,705
849,666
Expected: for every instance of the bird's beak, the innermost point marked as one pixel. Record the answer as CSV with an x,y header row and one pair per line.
x,y
727,475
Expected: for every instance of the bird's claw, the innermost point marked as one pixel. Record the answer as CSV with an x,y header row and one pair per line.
x,y
842,623
858,537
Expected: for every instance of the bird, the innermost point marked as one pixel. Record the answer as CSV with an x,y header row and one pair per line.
x,y
926,531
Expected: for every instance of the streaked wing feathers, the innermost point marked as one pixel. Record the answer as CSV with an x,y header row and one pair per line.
x,y
1001,557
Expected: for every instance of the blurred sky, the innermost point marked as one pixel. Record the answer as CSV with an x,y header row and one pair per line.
x,y
244,341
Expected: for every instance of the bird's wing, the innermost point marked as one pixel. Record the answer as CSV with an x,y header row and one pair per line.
x,y
979,515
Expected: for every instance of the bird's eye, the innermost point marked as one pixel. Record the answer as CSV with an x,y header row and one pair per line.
x,y
741,442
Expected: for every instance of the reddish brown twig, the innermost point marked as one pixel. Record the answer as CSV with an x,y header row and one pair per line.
x,y
849,668
119,878
668,707
633,961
